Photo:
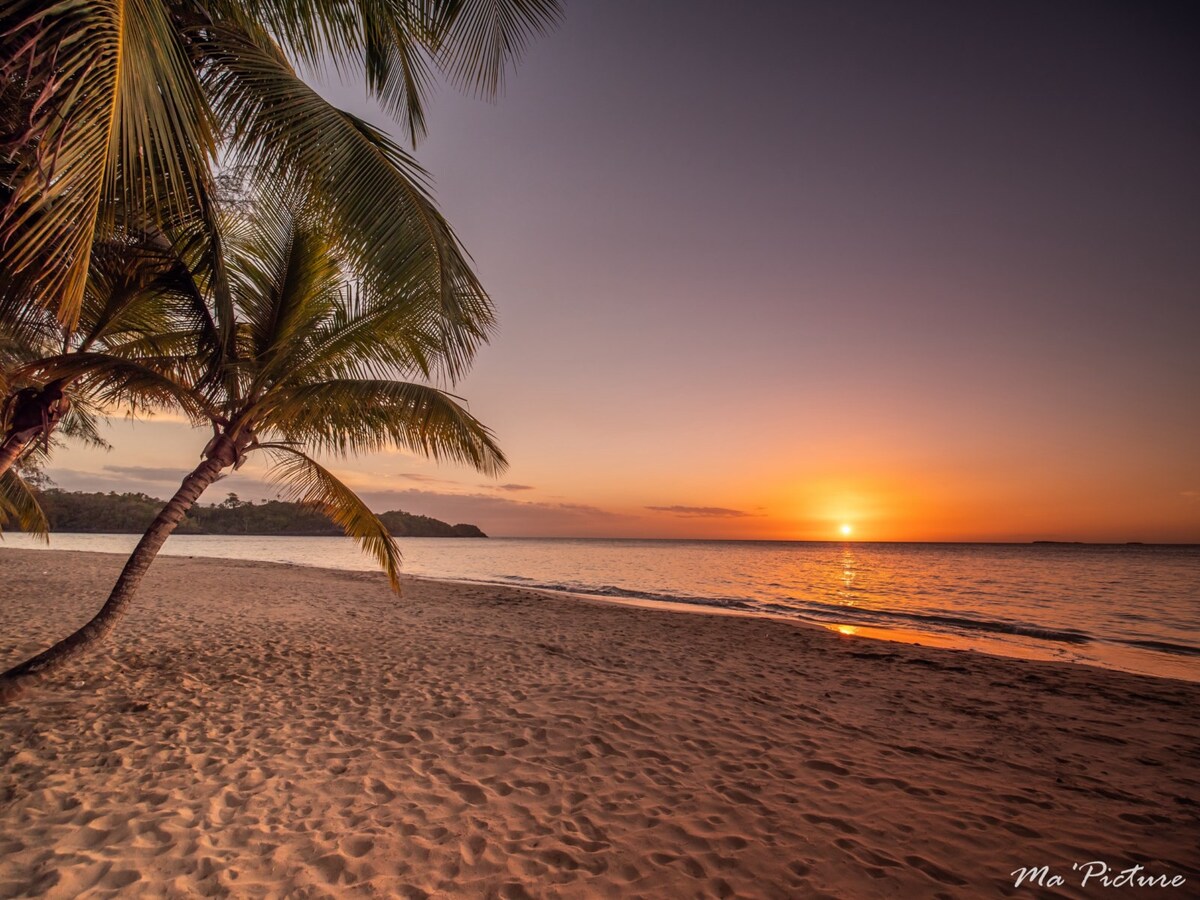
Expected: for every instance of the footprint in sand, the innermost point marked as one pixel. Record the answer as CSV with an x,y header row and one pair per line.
x,y
822,765
937,873
839,824
866,855
472,793
332,867
472,849
514,891
358,847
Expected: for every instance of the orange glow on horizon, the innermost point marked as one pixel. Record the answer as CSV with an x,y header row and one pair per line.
x,y
858,497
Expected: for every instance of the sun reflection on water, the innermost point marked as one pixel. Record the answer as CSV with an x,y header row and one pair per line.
x,y
849,573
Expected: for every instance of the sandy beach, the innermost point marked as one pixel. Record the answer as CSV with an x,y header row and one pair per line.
x,y
257,730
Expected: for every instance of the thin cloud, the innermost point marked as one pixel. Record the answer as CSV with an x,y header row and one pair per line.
x,y
512,487
426,479
497,514
701,512
148,473
577,508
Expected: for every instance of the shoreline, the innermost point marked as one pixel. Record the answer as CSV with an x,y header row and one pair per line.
x,y
266,730
1106,656
914,638
937,643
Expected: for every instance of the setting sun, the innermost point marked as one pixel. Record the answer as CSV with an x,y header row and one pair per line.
x,y
846,530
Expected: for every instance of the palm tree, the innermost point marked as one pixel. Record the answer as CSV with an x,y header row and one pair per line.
x,y
133,330
314,366
116,107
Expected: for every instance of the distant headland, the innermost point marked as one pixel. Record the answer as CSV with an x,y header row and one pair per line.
x,y
130,513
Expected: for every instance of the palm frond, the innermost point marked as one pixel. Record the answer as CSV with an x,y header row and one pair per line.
x,y
287,281
305,321
115,381
199,282
133,291
303,480
396,42
399,43
25,335
360,416
368,193
123,125
18,504
369,337
480,39
81,423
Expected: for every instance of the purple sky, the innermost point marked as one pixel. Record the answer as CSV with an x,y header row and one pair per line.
x,y
932,269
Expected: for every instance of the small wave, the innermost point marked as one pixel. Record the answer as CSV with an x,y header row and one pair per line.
x,y
1164,647
939,622
825,612
1019,629
609,590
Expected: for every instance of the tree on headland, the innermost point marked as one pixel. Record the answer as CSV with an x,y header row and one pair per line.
x,y
314,366
132,513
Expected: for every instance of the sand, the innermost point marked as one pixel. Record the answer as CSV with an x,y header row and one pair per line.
x,y
267,731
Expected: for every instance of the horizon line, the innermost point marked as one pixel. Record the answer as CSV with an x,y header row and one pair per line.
x,y
1014,543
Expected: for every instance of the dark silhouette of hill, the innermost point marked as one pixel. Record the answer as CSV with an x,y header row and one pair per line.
x,y
113,513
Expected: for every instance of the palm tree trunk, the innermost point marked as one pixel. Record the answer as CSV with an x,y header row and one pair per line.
x,y
14,681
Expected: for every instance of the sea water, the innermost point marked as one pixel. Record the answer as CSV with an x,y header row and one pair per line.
x,y
1130,607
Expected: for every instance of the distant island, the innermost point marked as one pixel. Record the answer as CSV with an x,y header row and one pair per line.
x,y
113,513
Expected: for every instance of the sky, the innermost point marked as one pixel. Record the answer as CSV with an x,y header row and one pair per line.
x,y
929,270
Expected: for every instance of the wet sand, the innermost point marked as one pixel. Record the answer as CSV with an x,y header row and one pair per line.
x,y
256,730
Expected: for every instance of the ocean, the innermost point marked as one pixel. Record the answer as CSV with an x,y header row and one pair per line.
x,y
1129,607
